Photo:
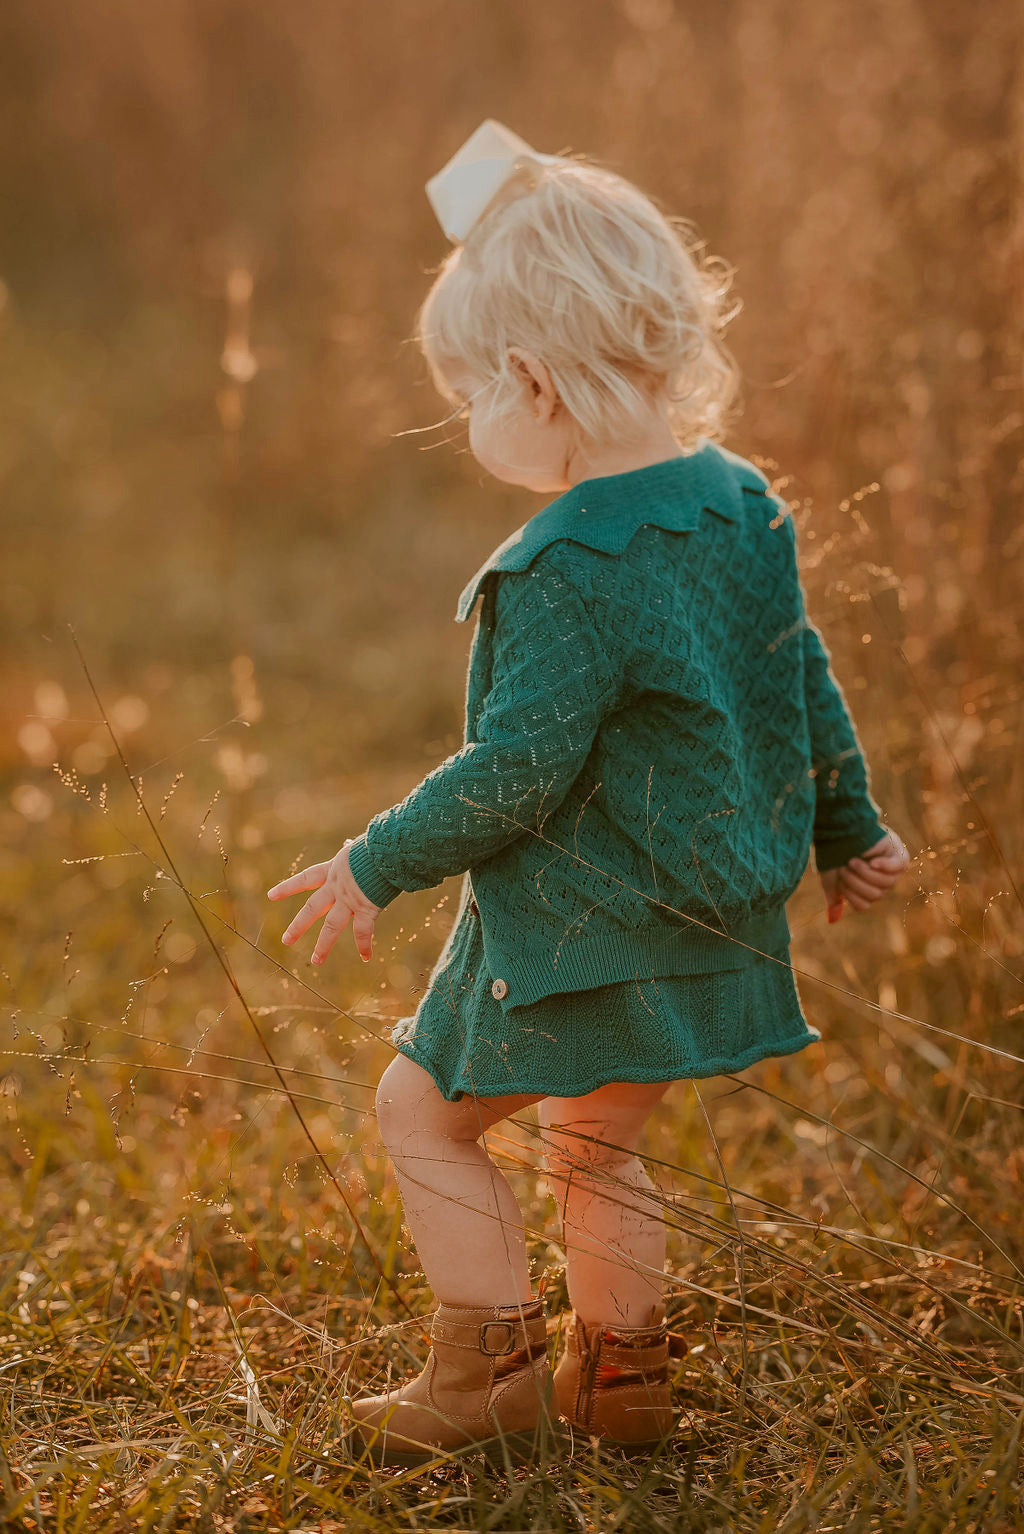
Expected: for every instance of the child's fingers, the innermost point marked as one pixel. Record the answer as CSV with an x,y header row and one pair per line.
x,y
868,873
362,931
309,879
315,907
334,925
893,867
862,888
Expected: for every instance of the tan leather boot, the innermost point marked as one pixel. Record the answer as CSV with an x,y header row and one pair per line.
x,y
612,1381
486,1383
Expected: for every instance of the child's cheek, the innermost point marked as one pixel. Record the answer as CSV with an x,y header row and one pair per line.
x,y
477,439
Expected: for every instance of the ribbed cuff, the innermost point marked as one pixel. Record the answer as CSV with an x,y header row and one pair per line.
x,y
377,889
835,851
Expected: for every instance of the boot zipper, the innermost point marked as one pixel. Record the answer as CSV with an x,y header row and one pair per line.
x,y
588,1373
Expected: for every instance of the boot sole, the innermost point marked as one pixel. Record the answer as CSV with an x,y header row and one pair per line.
x,y
518,1448
645,1446
569,1429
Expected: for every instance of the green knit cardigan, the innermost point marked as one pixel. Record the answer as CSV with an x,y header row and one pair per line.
x,y
654,739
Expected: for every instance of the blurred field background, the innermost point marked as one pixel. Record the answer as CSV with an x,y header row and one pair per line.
x,y
225,494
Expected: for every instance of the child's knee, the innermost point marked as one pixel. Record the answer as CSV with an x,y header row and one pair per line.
x,y
579,1160
409,1103
403,1094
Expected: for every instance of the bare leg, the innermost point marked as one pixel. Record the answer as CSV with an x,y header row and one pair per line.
x,y
463,1215
614,1232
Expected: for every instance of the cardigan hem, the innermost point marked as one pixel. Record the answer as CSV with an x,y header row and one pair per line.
x,y
715,1067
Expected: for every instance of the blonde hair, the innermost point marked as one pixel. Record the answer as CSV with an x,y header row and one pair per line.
x,y
613,294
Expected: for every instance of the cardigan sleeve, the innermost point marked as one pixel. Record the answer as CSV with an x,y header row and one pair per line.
x,y
552,682
847,819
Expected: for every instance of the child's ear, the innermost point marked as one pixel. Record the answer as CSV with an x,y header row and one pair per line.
x,y
536,377
525,364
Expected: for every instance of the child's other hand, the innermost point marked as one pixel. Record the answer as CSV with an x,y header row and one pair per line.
x,y
866,879
338,897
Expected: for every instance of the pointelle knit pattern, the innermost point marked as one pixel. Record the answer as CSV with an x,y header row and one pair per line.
x,y
654,741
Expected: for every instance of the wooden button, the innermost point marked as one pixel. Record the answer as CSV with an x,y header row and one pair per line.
x,y
499,990
474,908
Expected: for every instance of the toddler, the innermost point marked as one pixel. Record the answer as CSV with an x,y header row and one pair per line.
x,y
654,741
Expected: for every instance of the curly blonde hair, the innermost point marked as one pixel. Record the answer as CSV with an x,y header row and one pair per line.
x,y
613,294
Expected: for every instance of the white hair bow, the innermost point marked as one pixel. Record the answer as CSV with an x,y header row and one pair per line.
x,y
492,163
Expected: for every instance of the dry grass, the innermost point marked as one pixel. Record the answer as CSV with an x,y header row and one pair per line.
x,y
202,1250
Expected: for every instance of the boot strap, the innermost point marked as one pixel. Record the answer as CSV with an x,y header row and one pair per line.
x,y
678,1346
606,1348
634,1337
630,1341
494,1338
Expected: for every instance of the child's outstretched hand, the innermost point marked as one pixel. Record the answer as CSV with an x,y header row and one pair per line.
x,y
338,897
865,879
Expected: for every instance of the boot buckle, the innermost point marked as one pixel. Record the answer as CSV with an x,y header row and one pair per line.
x,y
508,1338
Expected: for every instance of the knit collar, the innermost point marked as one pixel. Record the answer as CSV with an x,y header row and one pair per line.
x,y
605,512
